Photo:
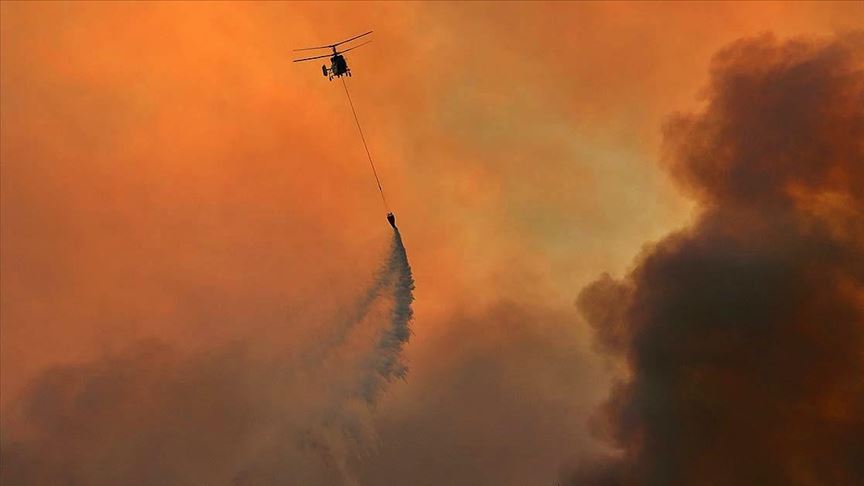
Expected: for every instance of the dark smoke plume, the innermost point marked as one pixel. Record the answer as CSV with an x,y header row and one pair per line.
x,y
743,334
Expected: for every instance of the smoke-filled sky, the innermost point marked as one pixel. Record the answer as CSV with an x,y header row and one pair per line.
x,y
196,270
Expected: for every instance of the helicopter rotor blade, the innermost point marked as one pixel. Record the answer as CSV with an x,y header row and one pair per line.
x,y
355,47
330,46
311,58
349,40
313,48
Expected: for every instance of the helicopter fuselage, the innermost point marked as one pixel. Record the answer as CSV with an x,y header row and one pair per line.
x,y
338,67
338,64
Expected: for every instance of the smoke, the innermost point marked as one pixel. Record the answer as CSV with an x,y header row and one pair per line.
x,y
233,415
743,334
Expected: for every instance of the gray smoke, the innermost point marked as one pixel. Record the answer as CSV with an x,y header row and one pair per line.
x,y
232,415
743,334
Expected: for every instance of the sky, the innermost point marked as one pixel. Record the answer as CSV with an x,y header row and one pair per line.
x,y
179,199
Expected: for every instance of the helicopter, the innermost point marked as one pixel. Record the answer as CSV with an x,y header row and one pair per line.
x,y
338,64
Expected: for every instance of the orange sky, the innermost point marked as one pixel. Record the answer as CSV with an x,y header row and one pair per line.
x,y
168,172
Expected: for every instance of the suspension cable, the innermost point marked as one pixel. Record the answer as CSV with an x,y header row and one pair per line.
x,y
363,138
